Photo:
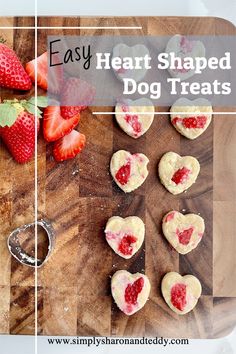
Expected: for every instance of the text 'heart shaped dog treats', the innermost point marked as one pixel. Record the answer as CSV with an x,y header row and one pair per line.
x,y
130,291
129,171
127,56
135,123
178,173
184,232
196,119
183,47
181,293
125,236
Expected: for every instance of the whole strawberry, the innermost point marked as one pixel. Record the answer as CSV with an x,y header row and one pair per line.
x,y
18,125
12,73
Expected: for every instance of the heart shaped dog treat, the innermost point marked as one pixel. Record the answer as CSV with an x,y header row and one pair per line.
x,y
129,171
127,57
178,173
196,119
184,232
183,48
137,123
125,236
130,291
181,293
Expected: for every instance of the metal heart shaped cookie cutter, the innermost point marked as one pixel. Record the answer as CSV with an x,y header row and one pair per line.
x,y
16,250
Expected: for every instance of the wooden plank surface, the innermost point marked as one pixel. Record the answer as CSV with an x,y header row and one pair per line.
x,y
17,311
79,196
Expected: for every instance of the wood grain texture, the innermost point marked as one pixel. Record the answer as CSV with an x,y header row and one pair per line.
x,y
79,196
17,208
224,246
225,306
199,200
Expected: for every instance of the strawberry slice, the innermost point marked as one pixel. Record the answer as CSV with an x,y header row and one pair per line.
x,y
75,91
54,126
42,73
42,70
68,112
12,73
69,146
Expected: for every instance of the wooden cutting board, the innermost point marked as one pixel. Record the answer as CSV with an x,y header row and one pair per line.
x,y
78,196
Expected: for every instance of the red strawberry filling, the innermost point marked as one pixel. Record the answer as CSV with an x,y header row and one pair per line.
x,y
125,245
185,236
181,70
178,296
123,174
181,175
132,120
121,71
133,290
176,120
198,122
170,217
186,45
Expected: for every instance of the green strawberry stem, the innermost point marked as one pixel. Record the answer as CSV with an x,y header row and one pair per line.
x,y
10,109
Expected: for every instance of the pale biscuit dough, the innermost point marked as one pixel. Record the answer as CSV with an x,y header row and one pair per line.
x,y
137,123
122,51
170,163
193,290
183,47
119,282
117,228
198,108
175,223
138,169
